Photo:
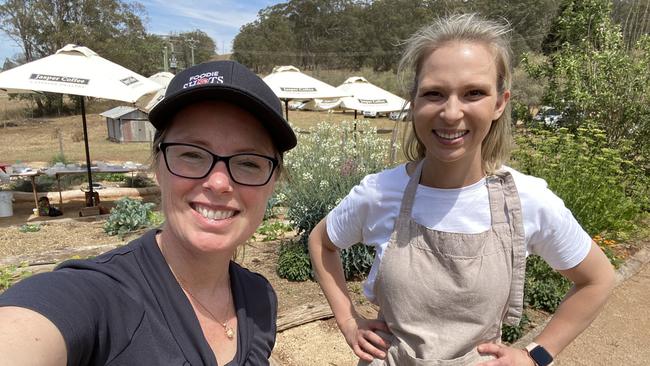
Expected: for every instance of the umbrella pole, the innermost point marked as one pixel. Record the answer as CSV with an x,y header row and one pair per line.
x,y
355,114
91,201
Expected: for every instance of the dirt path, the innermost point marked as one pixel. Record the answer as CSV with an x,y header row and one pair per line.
x,y
621,333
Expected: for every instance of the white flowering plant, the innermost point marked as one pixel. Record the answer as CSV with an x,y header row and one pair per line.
x,y
329,160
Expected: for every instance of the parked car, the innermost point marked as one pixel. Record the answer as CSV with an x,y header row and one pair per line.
x,y
369,114
296,105
550,116
398,115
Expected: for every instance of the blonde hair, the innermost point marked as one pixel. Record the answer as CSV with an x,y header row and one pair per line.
x,y
496,146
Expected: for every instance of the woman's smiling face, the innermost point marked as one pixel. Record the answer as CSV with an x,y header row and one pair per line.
x,y
214,213
455,103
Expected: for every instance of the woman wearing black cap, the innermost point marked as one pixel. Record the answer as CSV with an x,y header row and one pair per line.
x,y
173,296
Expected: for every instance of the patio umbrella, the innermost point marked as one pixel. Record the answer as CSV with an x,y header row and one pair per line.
x,y
287,82
76,70
369,97
149,101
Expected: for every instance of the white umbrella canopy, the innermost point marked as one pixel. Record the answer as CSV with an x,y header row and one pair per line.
x,y
149,101
76,70
287,82
366,96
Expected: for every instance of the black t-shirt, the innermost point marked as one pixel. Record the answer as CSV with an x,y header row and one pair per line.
x,y
125,307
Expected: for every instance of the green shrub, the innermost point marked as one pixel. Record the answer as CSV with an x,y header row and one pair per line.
x,y
272,230
11,274
156,218
59,158
606,245
357,260
44,183
323,168
271,207
544,288
29,228
128,215
293,262
603,190
110,177
511,334
139,181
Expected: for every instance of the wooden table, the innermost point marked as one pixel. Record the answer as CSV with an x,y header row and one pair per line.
x,y
31,174
60,173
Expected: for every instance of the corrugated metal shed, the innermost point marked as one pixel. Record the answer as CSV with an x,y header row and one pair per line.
x,y
128,124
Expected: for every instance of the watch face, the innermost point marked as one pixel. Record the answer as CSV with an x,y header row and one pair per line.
x,y
541,356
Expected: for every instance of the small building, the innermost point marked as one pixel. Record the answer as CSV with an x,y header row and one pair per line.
x,y
128,124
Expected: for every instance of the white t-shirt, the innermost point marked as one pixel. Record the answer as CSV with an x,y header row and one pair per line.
x,y
368,213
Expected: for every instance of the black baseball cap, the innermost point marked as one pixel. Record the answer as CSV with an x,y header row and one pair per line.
x,y
228,81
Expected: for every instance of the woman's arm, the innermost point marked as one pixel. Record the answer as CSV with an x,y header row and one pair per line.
x,y
593,282
29,338
359,333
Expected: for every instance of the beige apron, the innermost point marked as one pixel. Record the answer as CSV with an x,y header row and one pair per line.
x,y
442,294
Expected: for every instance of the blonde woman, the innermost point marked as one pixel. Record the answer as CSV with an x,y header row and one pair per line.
x,y
453,226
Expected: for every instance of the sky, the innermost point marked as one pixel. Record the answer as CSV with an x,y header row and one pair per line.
x,y
220,19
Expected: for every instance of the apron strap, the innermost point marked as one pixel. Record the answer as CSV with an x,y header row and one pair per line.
x,y
516,298
406,207
409,192
497,199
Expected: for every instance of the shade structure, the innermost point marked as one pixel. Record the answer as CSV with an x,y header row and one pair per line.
x,y
366,96
147,102
288,83
76,70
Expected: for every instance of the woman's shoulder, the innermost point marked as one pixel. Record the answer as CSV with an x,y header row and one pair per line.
x,y
525,181
247,276
536,197
533,190
390,179
256,288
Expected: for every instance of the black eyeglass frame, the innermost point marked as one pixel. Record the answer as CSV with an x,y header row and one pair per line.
x,y
215,159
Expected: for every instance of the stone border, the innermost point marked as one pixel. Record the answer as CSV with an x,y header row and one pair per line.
x,y
631,267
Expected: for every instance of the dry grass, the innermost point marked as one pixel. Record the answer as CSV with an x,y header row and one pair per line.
x,y
35,140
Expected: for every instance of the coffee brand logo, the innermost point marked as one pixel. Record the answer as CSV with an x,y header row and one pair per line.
x,y
128,81
298,90
372,101
60,79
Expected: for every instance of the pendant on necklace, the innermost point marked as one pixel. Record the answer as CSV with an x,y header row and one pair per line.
x,y
230,333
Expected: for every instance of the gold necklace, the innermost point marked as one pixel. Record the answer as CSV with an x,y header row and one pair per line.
x,y
229,331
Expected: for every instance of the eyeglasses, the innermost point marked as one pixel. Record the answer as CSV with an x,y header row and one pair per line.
x,y
194,162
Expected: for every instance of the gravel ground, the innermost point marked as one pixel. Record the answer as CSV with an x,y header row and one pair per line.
x,y
54,242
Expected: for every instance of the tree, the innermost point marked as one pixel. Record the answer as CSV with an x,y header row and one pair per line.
x,y
268,41
634,18
111,28
593,78
193,47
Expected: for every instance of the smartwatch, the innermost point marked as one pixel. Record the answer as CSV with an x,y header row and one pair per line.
x,y
539,354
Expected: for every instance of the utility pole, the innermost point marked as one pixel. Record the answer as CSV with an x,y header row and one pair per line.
x,y
165,65
192,43
172,62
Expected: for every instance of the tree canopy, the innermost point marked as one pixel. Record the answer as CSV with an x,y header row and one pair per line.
x,y
314,34
112,28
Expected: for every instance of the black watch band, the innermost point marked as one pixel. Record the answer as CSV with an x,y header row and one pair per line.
x,y
539,355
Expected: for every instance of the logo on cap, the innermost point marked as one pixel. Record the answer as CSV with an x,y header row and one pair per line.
x,y
211,77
